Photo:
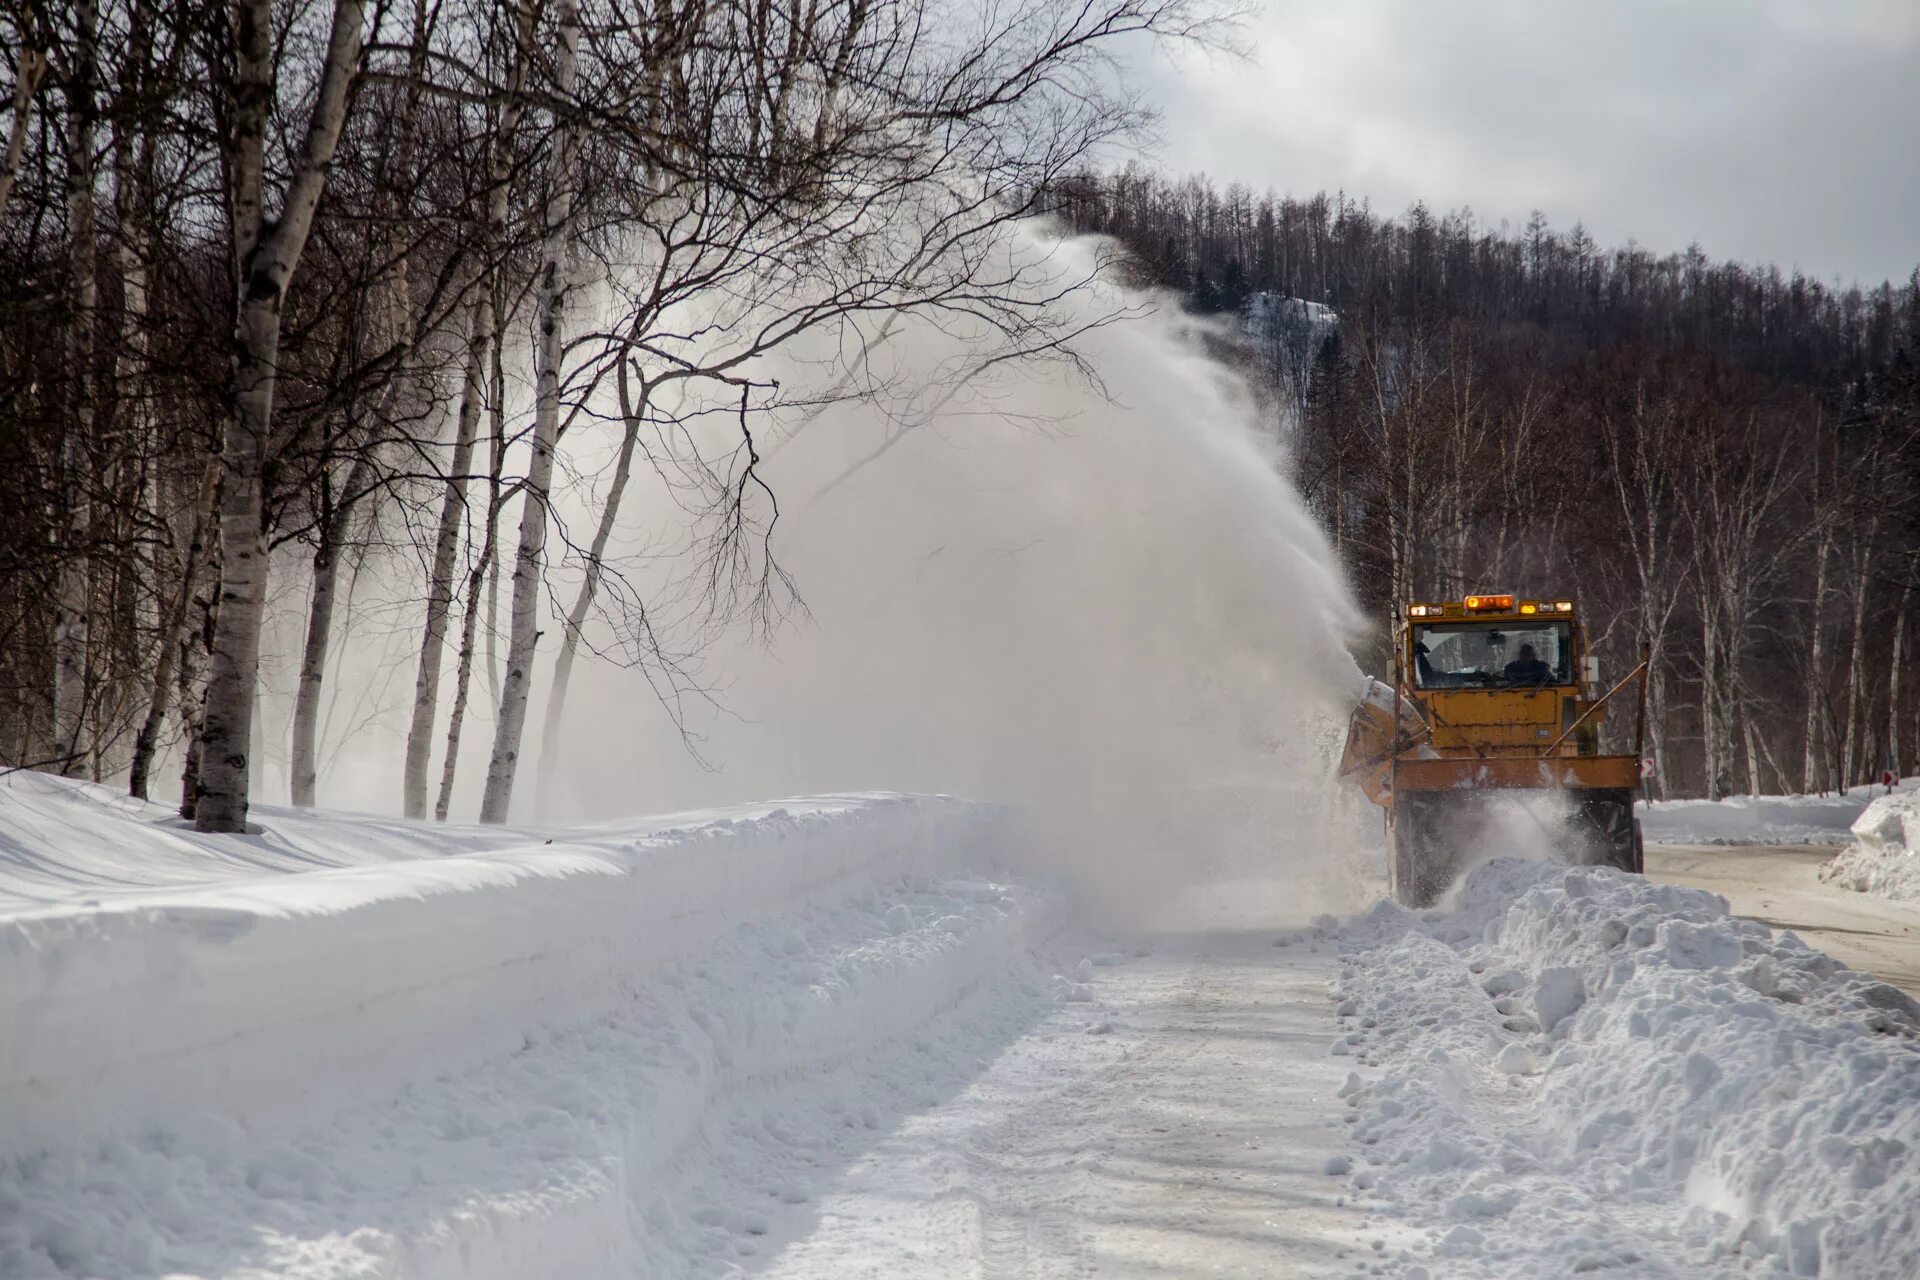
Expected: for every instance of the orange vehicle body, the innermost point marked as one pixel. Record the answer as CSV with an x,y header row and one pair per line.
x,y
1491,694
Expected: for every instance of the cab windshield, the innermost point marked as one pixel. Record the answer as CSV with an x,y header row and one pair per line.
x,y
1492,655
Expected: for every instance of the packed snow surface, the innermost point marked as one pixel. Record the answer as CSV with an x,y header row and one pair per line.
x,y
1760,819
1884,857
1578,1071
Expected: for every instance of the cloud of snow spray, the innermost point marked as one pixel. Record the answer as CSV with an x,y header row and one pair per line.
x,y
1110,609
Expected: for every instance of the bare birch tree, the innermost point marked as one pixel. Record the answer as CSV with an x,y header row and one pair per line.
x,y
266,251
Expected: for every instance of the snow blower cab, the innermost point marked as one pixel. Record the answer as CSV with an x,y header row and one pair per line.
x,y
1493,698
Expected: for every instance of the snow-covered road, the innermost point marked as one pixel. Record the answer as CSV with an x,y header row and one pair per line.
x,y
860,1036
1780,886
1177,1120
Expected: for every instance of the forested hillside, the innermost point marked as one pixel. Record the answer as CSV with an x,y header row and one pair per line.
x,y
1721,460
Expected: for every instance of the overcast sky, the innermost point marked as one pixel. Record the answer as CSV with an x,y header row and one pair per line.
x,y
1784,131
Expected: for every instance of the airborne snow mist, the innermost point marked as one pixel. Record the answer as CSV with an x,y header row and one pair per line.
x,y
1105,602
1087,589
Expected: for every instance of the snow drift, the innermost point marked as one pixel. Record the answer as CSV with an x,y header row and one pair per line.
x,y
471,1064
1585,1071
1884,857
1756,819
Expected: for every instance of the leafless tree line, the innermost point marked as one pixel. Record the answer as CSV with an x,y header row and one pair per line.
x,y
271,270
1721,461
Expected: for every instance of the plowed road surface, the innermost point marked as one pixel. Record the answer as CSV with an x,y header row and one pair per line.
x,y
1779,885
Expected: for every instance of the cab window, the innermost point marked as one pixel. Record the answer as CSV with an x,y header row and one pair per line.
x,y
1454,655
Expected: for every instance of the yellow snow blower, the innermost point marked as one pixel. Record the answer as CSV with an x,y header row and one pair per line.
x,y
1492,697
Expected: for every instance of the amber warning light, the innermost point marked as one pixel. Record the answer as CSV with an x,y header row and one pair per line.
x,y
1489,604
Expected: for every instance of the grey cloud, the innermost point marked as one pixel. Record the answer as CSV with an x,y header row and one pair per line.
x,y
1785,132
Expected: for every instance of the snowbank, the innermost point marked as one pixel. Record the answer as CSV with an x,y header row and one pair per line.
x,y
601,1051
1884,857
69,843
1761,819
673,1133
1586,1071
247,1003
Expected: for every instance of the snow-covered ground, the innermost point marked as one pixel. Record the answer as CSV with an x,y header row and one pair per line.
x,y
839,1037
310,1054
1761,819
1884,857
1575,1071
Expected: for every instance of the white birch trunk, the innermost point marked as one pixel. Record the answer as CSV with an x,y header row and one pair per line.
x,y
1849,752
530,559
173,635
583,599
73,586
453,505
482,573
267,258
1895,759
313,666
29,66
481,343
313,658
1811,773
1709,711
192,690
1752,751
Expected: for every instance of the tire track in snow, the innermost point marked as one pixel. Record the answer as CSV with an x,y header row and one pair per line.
x,y
1178,1123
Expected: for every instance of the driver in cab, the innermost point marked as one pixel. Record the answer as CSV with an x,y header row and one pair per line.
x,y
1527,668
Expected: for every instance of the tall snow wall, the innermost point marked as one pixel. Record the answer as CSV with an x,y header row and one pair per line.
x,y
256,1000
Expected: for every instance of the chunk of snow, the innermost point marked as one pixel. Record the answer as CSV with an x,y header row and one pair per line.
x,y
1723,1092
1884,857
1517,1060
1558,994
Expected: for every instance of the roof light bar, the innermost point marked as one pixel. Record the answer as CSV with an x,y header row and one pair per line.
x,y
1489,604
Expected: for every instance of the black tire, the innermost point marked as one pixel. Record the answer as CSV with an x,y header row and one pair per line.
x,y
1425,857
1604,831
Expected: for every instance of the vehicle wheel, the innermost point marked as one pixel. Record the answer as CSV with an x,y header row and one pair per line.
x,y
1605,832
1424,856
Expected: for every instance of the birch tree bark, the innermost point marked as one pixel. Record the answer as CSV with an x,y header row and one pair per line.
x,y
332,536
31,67
266,254
481,337
530,558
392,322
1642,476
1895,758
446,545
1812,775
463,664
483,569
173,637
73,587
633,415
1850,755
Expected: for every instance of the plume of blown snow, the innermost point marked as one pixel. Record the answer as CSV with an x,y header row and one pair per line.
x,y
1086,590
